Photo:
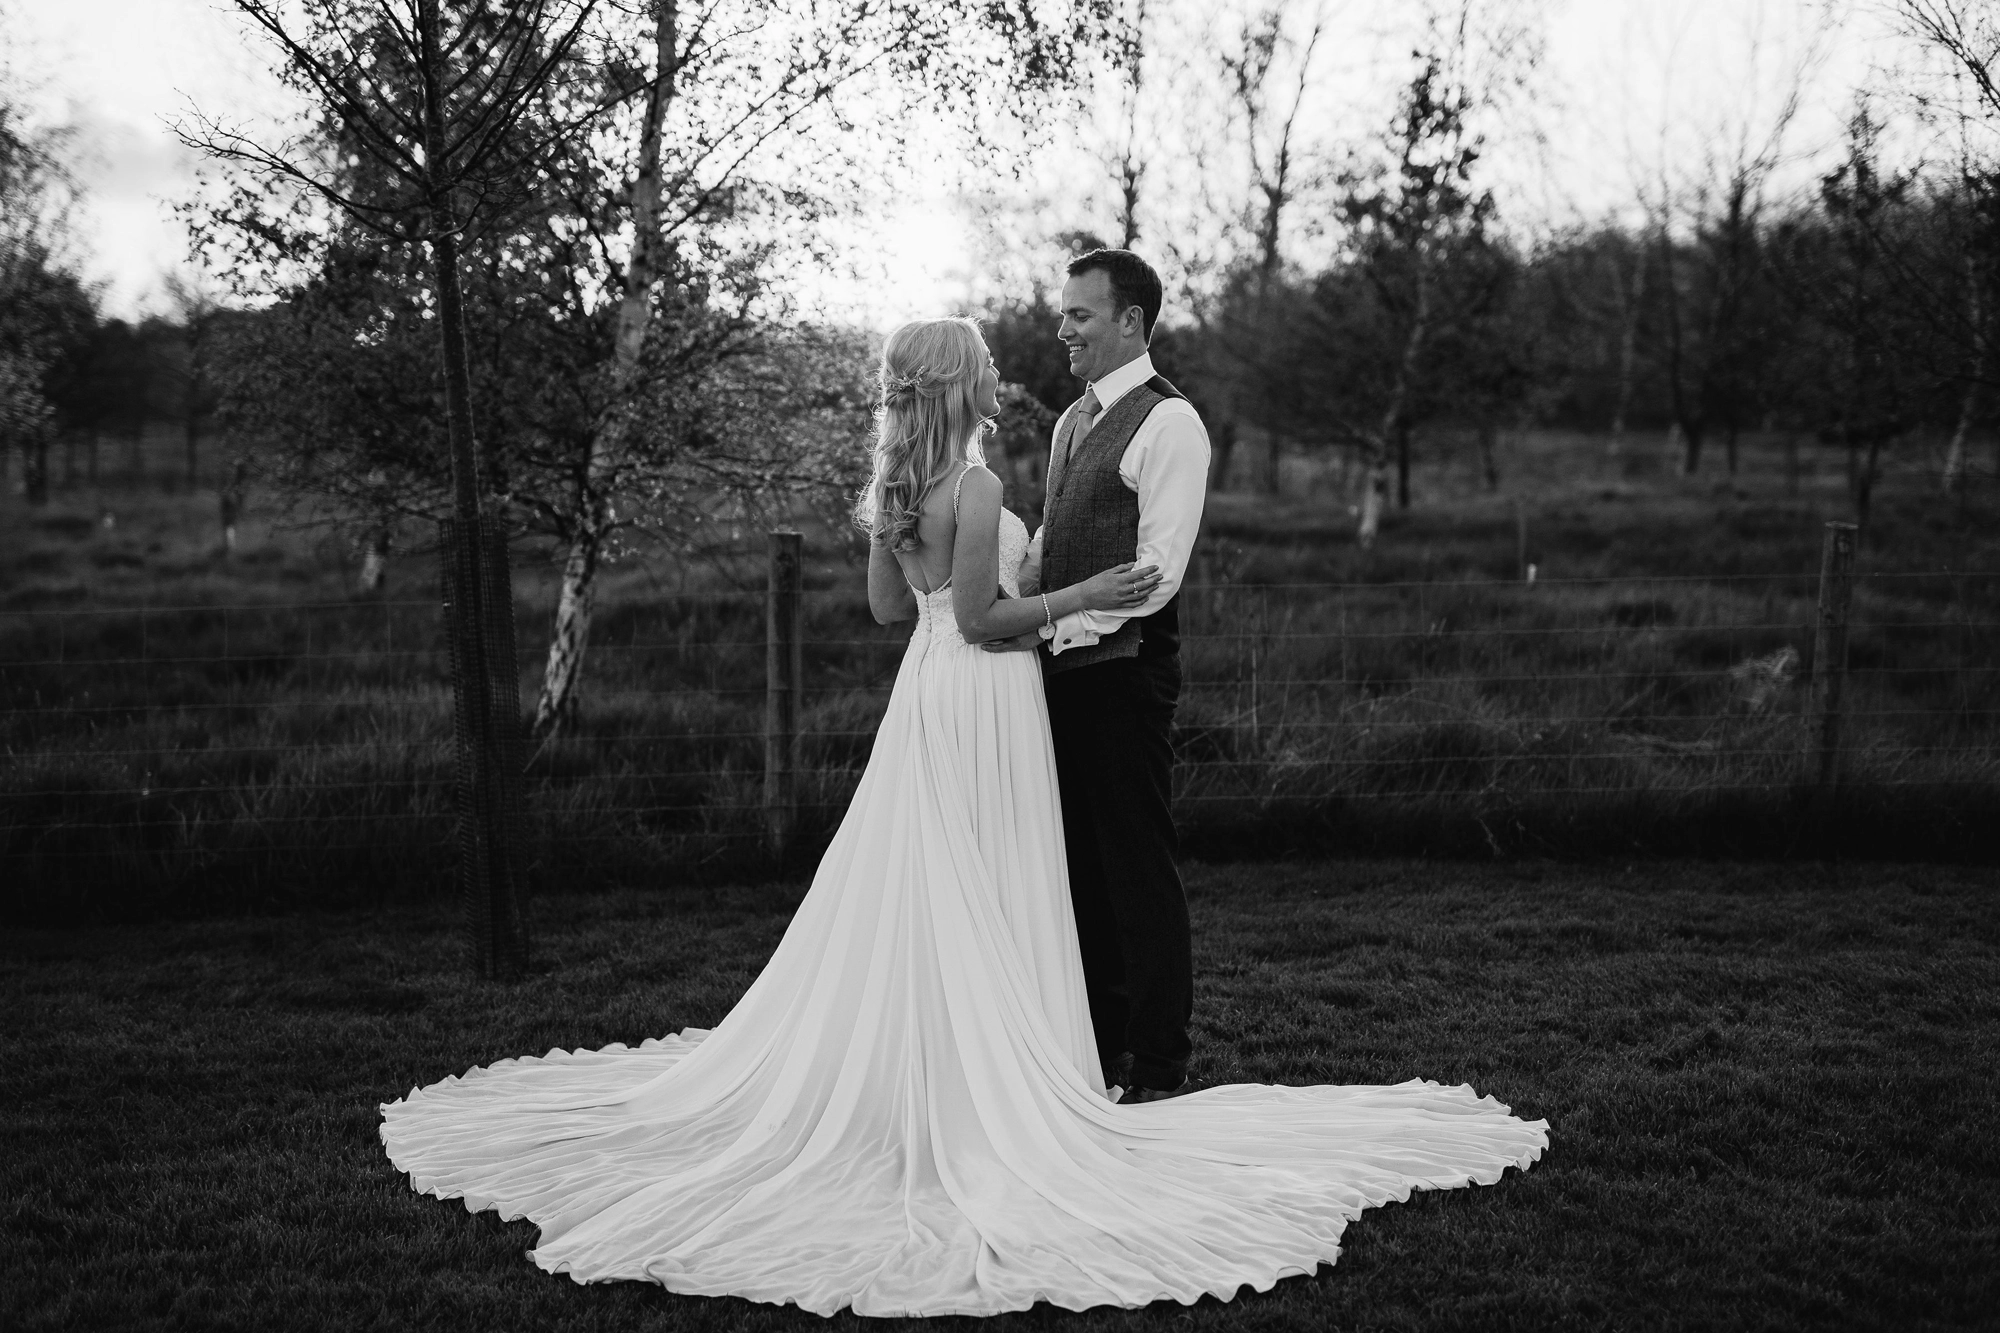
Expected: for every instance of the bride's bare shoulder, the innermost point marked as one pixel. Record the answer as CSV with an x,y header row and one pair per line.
x,y
978,482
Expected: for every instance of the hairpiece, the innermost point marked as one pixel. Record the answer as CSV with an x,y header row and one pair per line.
x,y
903,386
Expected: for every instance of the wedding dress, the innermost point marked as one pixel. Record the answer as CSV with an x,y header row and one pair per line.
x,y
904,1114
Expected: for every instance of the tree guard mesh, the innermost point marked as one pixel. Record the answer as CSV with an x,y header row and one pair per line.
x,y
479,624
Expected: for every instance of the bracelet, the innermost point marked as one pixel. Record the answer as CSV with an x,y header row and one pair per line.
x,y
1048,630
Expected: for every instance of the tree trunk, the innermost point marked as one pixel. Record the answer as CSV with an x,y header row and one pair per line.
x,y
1225,446
193,430
1685,419
489,812
1489,462
1729,446
556,710
569,638
1374,495
374,560
1954,455
69,459
1864,486
1628,349
1393,433
1953,477
1791,462
229,504
35,469
1403,465
90,458
1274,453
1691,433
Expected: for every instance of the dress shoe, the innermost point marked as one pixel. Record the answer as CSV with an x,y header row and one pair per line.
x,y
1132,1096
1118,1073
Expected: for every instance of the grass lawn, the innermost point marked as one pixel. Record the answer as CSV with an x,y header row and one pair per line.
x,y
1772,1094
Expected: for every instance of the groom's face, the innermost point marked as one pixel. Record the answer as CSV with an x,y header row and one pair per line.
x,y
1099,340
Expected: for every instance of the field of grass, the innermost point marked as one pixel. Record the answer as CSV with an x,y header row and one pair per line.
x,y
181,731
1770,1093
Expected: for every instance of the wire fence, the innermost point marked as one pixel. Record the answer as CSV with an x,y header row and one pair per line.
x,y
311,742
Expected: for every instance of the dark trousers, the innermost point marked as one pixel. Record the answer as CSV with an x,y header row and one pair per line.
x,y
1111,722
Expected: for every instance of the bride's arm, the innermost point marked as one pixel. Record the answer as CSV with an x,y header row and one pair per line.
x,y
982,612
889,595
1030,573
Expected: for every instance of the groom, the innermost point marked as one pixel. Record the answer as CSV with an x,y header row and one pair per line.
x,y
1128,471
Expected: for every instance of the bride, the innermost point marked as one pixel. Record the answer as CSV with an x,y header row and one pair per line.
x,y
905,1112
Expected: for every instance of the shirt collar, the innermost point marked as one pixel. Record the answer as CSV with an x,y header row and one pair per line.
x,y
1123,380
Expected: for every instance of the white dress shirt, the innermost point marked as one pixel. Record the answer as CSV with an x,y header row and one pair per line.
x,y
1166,466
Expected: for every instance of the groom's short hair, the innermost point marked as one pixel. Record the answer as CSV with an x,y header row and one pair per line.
x,y
1133,282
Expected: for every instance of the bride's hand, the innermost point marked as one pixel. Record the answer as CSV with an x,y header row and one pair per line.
x,y
1120,587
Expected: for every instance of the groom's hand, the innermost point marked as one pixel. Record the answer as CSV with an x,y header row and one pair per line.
x,y
1020,643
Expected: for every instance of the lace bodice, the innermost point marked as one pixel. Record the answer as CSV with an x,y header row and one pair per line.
x,y
1013,549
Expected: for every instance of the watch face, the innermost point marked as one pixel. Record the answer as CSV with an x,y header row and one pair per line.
x,y
1047,631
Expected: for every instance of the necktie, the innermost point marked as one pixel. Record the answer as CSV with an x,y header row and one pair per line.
x,y
1086,417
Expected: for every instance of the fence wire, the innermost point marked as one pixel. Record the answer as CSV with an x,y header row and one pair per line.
x,y
322,729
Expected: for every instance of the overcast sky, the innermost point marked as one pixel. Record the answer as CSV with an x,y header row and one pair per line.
x,y
1624,82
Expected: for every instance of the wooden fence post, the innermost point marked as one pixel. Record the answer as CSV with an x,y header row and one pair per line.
x,y
784,634
1829,670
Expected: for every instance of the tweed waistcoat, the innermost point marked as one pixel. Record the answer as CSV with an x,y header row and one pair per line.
x,y
1090,522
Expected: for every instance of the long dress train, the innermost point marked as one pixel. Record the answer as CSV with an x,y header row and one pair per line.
x,y
904,1113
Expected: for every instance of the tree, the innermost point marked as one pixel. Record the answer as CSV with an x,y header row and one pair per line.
x,y
1498,361
1704,229
46,312
1021,334
117,391
746,86
430,104
1020,450
48,322
1873,397
1710,290
197,312
1241,332
1128,163
1627,265
1970,212
644,267
1967,35
1403,220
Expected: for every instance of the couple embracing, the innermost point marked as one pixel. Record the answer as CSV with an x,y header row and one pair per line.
x,y
953,1088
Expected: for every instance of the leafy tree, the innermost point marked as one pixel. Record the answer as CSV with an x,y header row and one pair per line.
x,y
192,394
1498,364
1716,303
1019,450
1862,276
727,98
46,312
1403,220
116,389
426,106
1243,331
1021,334
647,264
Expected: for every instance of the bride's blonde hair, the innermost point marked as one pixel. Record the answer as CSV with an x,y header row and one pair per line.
x,y
927,422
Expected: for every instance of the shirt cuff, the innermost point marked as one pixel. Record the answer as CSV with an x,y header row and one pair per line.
x,y
1072,631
